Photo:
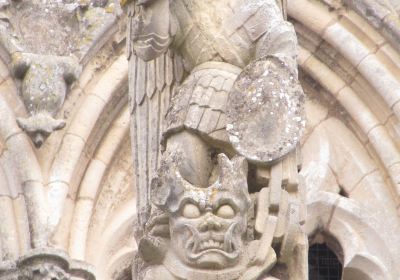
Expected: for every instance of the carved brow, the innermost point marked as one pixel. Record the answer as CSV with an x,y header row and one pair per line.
x,y
226,201
186,200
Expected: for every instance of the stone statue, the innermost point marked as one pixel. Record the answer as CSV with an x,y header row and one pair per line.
x,y
214,87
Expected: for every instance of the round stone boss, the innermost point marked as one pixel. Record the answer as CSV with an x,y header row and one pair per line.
x,y
265,111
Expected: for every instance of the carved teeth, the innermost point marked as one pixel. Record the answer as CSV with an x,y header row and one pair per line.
x,y
210,244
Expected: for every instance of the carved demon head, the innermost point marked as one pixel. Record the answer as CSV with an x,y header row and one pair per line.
x,y
207,225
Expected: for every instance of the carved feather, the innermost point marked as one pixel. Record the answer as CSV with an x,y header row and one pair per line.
x,y
151,86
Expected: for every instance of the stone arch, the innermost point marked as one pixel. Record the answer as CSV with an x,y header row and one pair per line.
x,y
359,53
356,221
64,180
345,59
341,51
363,267
354,230
120,267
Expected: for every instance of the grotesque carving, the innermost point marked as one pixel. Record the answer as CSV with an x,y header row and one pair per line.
x,y
231,67
44,84
206,227
46,42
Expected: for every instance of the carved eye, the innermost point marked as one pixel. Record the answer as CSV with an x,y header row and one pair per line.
x,y
226,212
191,211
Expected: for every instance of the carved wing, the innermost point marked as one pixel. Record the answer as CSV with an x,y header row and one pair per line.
x,y
151,86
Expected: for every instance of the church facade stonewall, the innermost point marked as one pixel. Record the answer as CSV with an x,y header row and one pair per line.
x,y
187,139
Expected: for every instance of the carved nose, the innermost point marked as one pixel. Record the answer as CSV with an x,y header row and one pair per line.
x,y
210,223
38,140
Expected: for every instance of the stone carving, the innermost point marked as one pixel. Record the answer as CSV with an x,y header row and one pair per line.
x,y
45,43
208,78
45,272
46,264
44,83
208,226
274,98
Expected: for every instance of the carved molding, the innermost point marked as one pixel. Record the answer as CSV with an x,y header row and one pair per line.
x,y
46,264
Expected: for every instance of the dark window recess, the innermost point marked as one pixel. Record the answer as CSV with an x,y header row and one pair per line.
x,y
323,264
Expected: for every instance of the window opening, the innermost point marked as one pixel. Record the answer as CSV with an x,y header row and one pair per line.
x,y
323,263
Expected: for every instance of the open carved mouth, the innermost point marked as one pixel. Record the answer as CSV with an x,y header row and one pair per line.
x,y
211,244
226,247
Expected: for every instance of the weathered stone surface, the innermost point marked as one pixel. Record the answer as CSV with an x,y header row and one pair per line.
x,y
46,264
44,84
205,233
44,43
241,97
269,122
78,191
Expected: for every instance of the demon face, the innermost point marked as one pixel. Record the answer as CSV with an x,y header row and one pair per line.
x,y
208,236
207,225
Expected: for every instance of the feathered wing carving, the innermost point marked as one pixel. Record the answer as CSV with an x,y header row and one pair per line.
x,y
151,86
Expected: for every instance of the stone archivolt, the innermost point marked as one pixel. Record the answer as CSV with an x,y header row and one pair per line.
x,y
76,191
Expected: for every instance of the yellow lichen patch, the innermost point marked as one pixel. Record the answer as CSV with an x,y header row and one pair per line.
x,y
124,2
213,195
84,2
110,8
